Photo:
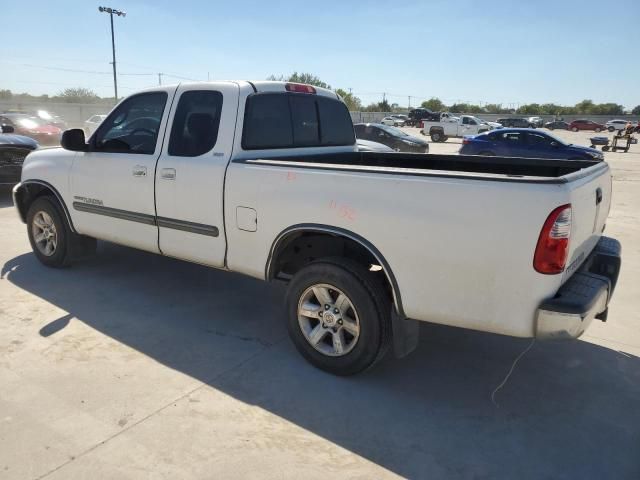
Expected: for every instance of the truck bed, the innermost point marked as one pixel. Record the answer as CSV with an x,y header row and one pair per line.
x,y
491,168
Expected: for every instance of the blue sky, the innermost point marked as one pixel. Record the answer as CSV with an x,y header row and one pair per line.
x,y
459,50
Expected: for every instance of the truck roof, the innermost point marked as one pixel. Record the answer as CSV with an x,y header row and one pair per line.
x,y
259,86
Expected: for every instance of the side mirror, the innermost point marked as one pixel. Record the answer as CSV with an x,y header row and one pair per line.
x,y
74,140
6,129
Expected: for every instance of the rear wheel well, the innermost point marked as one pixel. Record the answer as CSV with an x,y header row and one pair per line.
x,y
299,248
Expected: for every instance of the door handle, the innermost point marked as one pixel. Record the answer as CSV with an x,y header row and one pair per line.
x,y
168,173
139,171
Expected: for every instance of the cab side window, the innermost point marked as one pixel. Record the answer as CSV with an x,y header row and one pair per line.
x,y
133,126
196,123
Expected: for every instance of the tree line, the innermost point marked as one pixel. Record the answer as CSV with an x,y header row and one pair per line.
x,y
585,107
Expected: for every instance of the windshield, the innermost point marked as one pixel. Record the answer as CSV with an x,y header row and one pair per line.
x,y
393,131
557,140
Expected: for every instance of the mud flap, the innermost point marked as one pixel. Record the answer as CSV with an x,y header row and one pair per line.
x,y
406,333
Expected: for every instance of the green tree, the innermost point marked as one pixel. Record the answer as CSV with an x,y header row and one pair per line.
x,y
434,104
5,94
308,78
77,95
636,110
465,108
495,108
378,107
531,109
585,106
353,103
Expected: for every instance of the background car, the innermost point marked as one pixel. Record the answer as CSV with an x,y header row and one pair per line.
x,y
613,125
557,125
392,121
51,119
13,150
33,127
585,125
520,142
491,125
516,123
391,137
537,121
92,123
402,117
369,146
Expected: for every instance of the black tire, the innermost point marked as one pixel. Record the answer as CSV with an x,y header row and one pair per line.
x,y
598,130
550,128
605,148
574,129
370,302
611,129
60,256
445,138
436,136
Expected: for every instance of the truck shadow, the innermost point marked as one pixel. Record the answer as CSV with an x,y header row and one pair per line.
x,y
570,410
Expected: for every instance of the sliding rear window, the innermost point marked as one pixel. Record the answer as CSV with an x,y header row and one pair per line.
x,y
293,120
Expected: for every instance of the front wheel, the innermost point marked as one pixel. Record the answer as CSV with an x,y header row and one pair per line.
x,y
611,129
574,129
598,130
338,316
48,233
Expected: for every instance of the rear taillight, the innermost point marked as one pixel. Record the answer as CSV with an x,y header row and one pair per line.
x,y
466,140
421,124
553,244
299,87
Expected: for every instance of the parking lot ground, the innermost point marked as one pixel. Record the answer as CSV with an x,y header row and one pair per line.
x,y
131,365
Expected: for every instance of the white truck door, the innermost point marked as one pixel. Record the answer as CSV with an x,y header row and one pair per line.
x,y
190,172
112,183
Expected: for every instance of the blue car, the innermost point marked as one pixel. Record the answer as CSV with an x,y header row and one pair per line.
x,y
523,142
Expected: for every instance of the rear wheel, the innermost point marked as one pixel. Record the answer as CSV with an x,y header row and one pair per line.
x,y
611,129
436,136
574,129
598,129
338,316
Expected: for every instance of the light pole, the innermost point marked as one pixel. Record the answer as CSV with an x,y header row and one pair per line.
x,y
111,11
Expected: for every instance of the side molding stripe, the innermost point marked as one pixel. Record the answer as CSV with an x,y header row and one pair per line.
x,y
174,224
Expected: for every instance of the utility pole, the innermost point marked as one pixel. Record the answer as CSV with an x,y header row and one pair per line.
x,y
409,101
350,90
111,11
160,78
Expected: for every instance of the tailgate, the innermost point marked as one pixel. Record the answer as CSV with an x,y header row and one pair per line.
x,y
590,202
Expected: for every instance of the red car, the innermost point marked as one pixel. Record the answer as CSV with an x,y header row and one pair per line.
x,y
585,125
33,127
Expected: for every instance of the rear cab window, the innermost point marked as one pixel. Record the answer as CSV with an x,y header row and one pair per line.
x,y
294,120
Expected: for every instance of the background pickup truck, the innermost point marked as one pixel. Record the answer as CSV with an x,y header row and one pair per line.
x,y
452,126
263,178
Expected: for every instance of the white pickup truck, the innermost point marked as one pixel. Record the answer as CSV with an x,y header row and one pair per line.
x,y
451,126
263,178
